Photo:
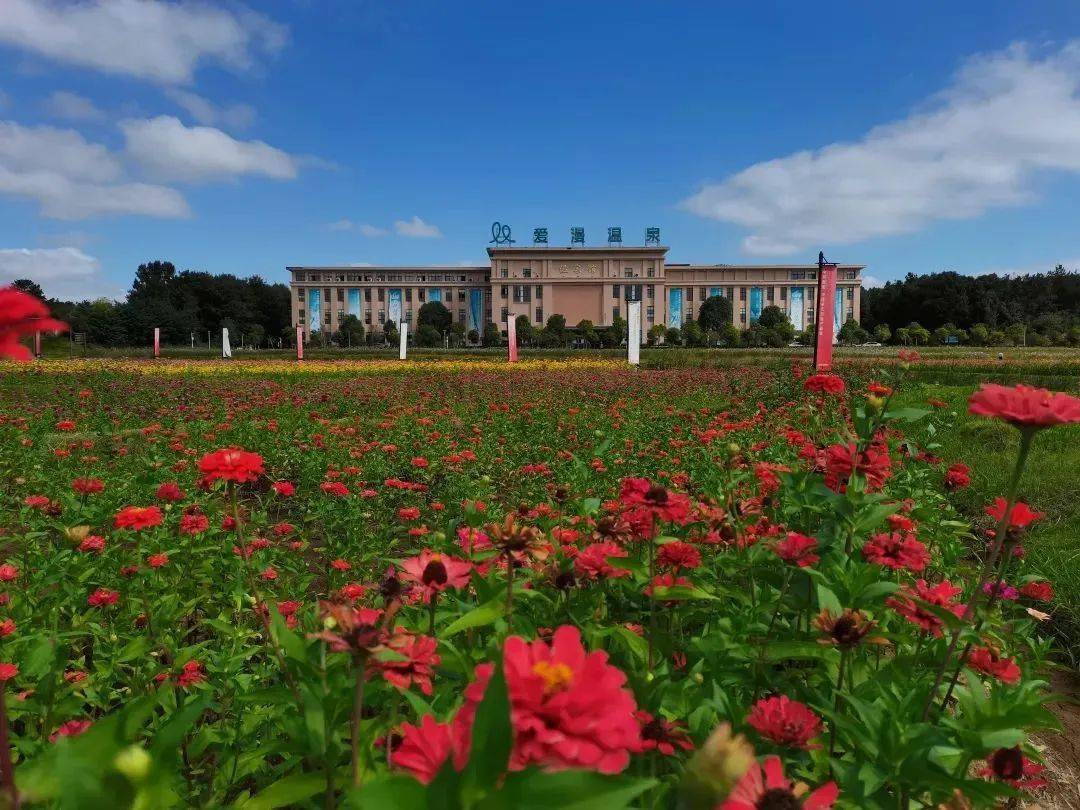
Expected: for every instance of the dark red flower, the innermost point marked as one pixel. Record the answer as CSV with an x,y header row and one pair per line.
x,y
436,572
1024,406
1040,591
88,486
1009,765
766,788
72,728
663,504
958,476
897,551
988,661
102,597
592,561
824,384
169,492
284,488
412,661
784,721
798,549
663,735
1020,516
908,603
424,748
678,554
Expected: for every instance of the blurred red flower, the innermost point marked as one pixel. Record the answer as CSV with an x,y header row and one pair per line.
x,y
988,661
1024,406
436,572
907,604
766,786
1020,516
824,384
21,315
798,549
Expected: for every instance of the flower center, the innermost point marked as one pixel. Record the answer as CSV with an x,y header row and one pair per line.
x,y
777,799
656,494
434,573
556,676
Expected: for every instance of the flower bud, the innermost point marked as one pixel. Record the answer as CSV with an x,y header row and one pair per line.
x,y
874,403
719,763
133,762
733,448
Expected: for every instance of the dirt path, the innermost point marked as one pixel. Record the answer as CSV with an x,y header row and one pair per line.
x,y
1061,752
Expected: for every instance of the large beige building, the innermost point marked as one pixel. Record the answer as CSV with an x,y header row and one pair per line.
x,y
579,283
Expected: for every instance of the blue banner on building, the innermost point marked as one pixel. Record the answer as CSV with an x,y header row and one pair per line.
x,y
476,309
674,318
394,309
435,294
715,292
797,308
354,302
756,297
838,311
314,310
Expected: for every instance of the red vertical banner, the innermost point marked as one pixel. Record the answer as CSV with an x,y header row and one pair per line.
x,y
299,343
37,344
511,339
826,293
157,342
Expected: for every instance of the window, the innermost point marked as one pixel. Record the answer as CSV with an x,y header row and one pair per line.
x,y
300,294
382,317
448,294
408,315
539,292
367,317
505,313
326,295
809,315
464,278
460,295
301,314
539,314
783,293
742,293
615,312
651,291
650,313
504,273
813,276
615,290
313,277
340,315
850,293
408,293
503,291
367,295
326,318
421,294
742,315
381,295
633,292
797,275
522,293
769,293
461,316
527,272
340,295
809,293
651,273
689,293
628,272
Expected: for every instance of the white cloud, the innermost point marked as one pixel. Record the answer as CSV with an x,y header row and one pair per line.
x,y
160,41
341,225
869,282
234,116
71,178
166,148
416,228
62,104
65,273
978,145
372,230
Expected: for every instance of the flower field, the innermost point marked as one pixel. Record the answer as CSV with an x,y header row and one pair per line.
x,y
467,585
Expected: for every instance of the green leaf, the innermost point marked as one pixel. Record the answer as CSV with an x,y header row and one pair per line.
x,y
827,600
801,650
292,789
391,792
567,790
907,414
481,616
492,738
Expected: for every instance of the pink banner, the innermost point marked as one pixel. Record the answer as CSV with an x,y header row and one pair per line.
x,y
157,341
511,339
826,292
299,343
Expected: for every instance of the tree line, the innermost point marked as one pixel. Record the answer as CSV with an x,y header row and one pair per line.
x,y
183,304
1040,309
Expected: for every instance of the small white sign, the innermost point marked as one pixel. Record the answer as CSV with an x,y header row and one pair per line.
x,y
226,349
403,340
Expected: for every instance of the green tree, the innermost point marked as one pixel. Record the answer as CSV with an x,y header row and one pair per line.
x,y
693,334
434,314
492,336
673,336
587,331
525,331
852,333
474,337
457,333
715,313
776,320
655,334
351,331
882,333
980,334
1017,333
29,287
428,336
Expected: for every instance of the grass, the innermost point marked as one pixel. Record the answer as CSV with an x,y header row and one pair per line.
x,y
1050,484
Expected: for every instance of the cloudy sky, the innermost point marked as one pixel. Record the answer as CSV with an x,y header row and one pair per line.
x,y
240,139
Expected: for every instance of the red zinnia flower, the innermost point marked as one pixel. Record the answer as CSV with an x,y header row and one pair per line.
x,y
988,661
1041,591
8,573
665,505
906,603
20,315
72,728
284,488
8,671
764,788
1025,407
661,734
92,544
1019,516
958,476
840,460
678,555
231,464
169,492
824,384
784,721
798,549
436,572
102,597
592,561
424,748
413,663
194,523
88,486
1009,765
408,513
157,560
335,489
137,517
895,550
569,707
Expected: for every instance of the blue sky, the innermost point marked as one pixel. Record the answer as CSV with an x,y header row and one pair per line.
x,y
241,139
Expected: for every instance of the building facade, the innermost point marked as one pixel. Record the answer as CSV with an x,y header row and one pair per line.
x,y
579,283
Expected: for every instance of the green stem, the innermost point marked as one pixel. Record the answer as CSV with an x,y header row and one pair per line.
x,y
357,716
7,770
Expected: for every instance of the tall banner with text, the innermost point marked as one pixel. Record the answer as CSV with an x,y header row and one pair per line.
x,y
796,313
674,317
403,339
633,332
226,348
157,342
511,338
823,343
299,343
756,303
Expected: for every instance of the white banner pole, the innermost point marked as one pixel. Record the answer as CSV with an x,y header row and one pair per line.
x,y
403,340
633,336
226,349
